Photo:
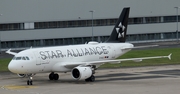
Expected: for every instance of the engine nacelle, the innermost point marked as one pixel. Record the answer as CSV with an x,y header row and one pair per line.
x,y
21,75
81,73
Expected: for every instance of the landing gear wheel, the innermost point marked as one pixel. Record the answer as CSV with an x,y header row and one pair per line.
x,y
53,76
90,79
56,76
29,82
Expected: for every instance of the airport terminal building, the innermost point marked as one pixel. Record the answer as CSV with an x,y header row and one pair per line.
x,y
37,23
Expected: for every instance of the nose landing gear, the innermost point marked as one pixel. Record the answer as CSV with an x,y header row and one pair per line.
x,y
29,81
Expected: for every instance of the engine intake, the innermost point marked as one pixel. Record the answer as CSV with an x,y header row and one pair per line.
x,y
81,73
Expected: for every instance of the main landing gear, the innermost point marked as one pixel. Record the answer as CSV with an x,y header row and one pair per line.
x,y
53,76
90,79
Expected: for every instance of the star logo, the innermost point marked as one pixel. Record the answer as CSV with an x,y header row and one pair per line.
x,y
120,30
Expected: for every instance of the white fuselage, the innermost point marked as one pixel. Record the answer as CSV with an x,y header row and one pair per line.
x,y
51,59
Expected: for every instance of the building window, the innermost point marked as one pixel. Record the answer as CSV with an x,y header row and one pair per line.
x,y
113,21
49,42
37,43
84,23
151,36
103,22
81,23
20,44
89,22
77,41
138,20
168,35
142,37
130,21
12,26
169,18
153,19
53,24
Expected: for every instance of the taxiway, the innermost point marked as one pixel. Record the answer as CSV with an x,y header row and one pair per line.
x,y
140,80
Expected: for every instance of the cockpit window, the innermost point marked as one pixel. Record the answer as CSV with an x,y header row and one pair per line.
x,y
18,58
14,58
21,58
27,58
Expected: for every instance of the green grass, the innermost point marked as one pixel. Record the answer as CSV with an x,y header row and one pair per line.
x,y
132,54
4,63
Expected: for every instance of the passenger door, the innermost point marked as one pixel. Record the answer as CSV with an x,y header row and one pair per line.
x,y
38,58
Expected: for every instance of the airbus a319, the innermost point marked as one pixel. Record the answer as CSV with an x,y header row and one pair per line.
x,y
81,60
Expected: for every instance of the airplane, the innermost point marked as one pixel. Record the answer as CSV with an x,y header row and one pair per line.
x,y
81,60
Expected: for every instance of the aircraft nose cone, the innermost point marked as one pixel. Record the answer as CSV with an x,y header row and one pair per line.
x,y
11,67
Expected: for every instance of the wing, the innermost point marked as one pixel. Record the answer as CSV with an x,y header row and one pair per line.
x,y
71,65
9,52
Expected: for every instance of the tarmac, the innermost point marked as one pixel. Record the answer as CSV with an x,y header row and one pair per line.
x,y
139,80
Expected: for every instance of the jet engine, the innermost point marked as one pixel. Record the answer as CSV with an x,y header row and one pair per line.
x,y
81,73
21,75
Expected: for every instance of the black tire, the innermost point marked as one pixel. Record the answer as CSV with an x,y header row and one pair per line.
x,y
51,76
92,78
87,80
56,77
28,82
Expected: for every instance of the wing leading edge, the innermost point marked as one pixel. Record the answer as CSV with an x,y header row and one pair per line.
x,y
70,65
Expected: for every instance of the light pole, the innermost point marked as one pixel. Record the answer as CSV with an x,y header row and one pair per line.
x,y
177,35
0,38
92,24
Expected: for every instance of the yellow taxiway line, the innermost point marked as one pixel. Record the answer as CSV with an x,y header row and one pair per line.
x,y
16,87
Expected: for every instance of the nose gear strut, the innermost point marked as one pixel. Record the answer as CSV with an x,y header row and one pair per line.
x,y
30,81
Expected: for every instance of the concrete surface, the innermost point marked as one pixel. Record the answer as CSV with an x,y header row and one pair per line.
x,y
141,80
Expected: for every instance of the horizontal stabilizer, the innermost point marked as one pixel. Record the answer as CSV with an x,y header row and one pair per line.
x,y
147,46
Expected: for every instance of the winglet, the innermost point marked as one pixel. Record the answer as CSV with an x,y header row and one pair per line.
x,y
169,56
